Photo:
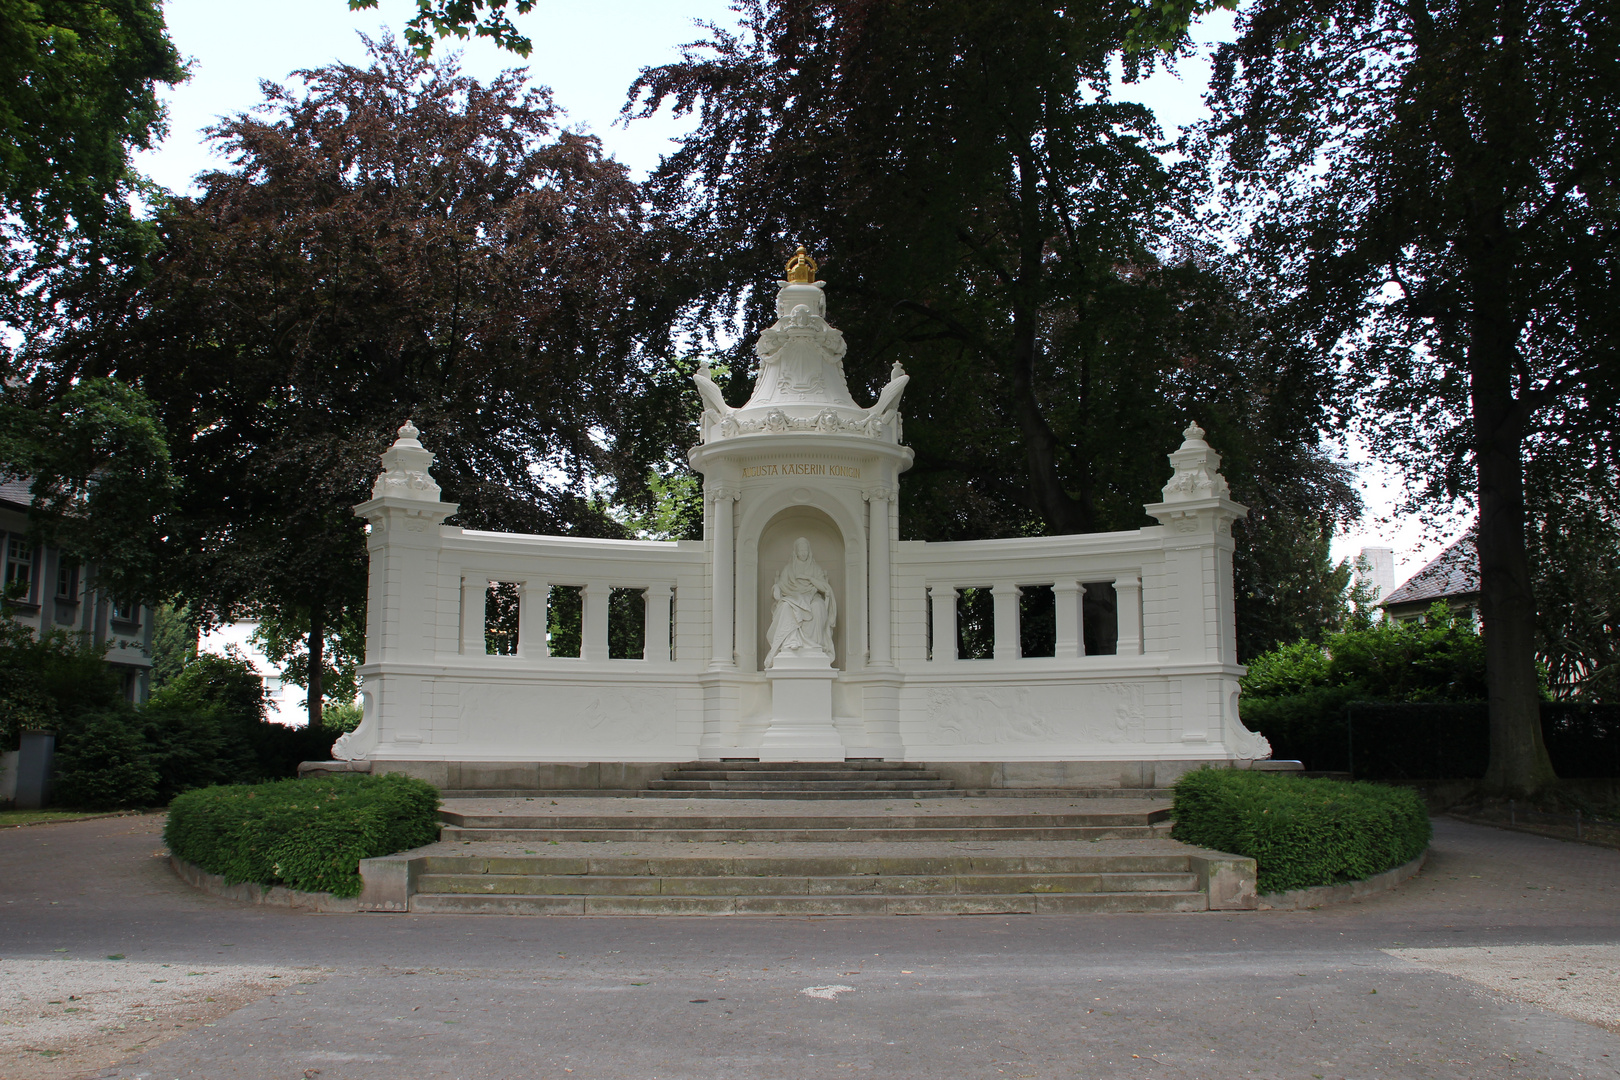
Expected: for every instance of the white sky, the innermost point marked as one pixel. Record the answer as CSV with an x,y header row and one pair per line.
x,y
588,53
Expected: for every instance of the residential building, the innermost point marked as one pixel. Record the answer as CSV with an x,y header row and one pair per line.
x,y
1452,579
52,592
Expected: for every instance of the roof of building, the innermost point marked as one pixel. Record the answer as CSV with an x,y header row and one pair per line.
x,y
15,492
1454,573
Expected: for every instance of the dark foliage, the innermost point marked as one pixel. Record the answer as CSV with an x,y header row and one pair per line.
x,y
103,763
79,83
388,242
1331,730
1434,185
988,215
205,726
48,680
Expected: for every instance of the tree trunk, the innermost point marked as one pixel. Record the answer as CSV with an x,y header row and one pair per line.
x,y
1062,513
1519,765
317,663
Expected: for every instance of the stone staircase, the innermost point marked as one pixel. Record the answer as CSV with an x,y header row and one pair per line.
x,y
462,826
855,779
798,780
819,879
777,854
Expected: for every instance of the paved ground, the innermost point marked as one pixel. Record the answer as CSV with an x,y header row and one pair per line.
x,y
1268,994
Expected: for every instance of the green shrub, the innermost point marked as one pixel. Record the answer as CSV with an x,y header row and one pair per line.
x,y
1301,832
49,679
304,834
229,684
102,764
1441,658
342,717
191,745
1306,726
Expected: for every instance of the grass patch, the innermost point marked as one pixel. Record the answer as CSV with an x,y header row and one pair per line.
x,y
12,818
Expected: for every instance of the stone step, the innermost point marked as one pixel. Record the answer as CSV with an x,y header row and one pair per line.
x,y
831,834
751,791
910,876
887,860
798,775
795,885
868,765
516,819
873,789
954,904
636,793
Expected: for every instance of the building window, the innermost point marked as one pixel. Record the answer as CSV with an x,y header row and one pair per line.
x,y
67,579
125,612
19,566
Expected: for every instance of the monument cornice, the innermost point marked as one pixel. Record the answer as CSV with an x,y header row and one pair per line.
x,y
786,444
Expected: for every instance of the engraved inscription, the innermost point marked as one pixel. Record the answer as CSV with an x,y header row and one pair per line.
x,y
800,468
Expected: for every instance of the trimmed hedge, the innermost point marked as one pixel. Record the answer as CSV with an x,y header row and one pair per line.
x,y
1301,832
304,834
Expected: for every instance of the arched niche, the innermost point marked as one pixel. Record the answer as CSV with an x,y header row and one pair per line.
x,y
776,548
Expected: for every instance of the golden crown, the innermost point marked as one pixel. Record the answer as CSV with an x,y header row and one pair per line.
x,y
801,269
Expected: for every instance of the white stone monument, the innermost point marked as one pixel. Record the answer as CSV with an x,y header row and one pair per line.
x,y
801,627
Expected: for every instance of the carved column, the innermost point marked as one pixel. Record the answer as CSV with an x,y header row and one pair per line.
x,y
1006,608
655,649
878,555
1066,598
533,596
474,594
1128,602
944,610
723,575
593,629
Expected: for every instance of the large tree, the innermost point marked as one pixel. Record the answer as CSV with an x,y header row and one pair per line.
x,y
390,241
78,94
1436,180
97,463
989,215
436,20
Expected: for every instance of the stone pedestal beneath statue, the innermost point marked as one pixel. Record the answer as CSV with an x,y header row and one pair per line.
x,y
801,711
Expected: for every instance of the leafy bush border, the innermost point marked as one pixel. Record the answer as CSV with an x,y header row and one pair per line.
x,y
308,834
1301,833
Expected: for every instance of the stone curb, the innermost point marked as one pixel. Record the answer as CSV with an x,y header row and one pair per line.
x,y
1343,893
253,893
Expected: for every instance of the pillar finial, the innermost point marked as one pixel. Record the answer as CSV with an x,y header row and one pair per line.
x,y
801,269
406,466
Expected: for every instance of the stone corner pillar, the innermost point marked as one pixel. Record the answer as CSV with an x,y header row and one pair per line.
x,y
723,574
404,515
1197,515
405,518
879,580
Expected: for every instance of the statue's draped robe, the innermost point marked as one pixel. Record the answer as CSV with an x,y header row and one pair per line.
x,y
805,610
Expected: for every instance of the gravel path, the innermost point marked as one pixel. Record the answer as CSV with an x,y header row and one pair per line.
x,y
63,1018
1581,981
